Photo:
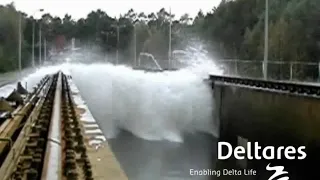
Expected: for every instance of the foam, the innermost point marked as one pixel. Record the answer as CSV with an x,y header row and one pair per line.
x,y
153,106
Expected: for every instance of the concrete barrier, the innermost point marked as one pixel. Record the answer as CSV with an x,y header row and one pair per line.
x,y
283,114
270,117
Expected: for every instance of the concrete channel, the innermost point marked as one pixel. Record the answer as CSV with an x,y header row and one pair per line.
x,y
43,137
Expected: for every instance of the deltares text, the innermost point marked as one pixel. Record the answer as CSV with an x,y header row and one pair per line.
x,y
254,152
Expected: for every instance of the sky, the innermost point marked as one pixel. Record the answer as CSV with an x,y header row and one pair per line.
x,y
80,8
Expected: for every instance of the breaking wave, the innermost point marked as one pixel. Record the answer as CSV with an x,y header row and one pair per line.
x,y
153,106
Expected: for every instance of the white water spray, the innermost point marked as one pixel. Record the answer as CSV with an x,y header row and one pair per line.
x,y
30,81
153,106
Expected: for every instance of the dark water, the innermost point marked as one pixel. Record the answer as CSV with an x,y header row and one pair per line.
x,y
163,160
159,160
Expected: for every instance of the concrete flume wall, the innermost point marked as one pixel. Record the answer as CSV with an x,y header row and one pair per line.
x,y
263,114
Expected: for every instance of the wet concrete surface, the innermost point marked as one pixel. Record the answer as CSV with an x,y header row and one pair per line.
x,y
159,160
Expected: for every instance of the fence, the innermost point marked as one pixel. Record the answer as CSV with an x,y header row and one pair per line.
x,y
277,70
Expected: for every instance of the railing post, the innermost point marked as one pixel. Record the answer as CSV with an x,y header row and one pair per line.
x,y
319,71
264,70
236,67
291,71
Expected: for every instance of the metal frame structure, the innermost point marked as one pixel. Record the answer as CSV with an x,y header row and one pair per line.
x,y
291,64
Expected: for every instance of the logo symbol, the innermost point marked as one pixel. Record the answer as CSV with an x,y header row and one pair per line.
x,y
278,171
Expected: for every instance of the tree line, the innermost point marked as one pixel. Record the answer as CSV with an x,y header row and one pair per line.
x,y
232,30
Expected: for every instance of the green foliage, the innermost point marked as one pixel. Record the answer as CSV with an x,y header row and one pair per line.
x,y
293,29
9,30
235,29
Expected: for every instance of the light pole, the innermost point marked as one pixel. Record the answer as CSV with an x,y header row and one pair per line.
x,y
20,44
118,39
135,43
33,36
169,51
265,59
40,44
45,49
33,27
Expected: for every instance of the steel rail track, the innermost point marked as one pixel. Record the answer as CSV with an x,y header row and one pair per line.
x,y
53,146
13,156
76,163
30,163
11,128
290,87
52,164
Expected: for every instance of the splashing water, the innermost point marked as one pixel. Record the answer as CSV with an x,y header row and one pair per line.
x,y
153,106
30,81
196,61
40,73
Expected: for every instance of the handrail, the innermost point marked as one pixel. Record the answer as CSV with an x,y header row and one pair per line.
x,y
152,57
292,87
269,62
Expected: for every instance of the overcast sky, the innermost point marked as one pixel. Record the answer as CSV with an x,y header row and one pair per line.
x,y
80,8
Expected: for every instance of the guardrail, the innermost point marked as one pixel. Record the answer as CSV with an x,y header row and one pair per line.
x,y
272,113
291,87
277,70
149,56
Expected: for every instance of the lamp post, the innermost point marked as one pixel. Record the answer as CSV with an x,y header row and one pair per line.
x,y
169,51
135,42
40,44
265,59
45,49
33,36
20,44
118,39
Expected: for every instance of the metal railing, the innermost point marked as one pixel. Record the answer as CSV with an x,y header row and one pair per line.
x,y
277,70
148,57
